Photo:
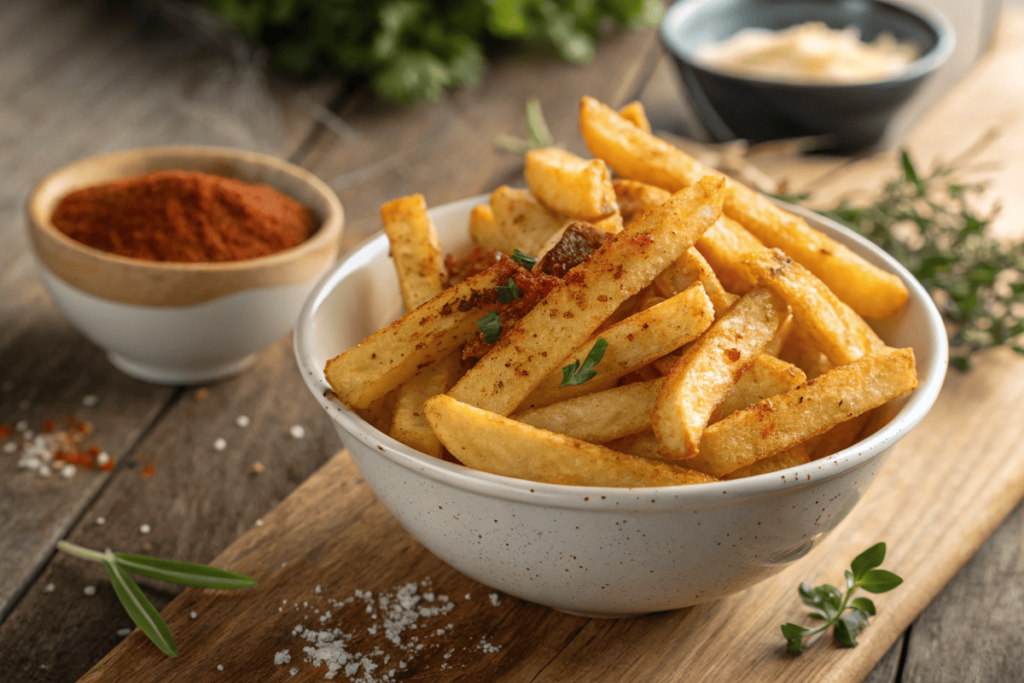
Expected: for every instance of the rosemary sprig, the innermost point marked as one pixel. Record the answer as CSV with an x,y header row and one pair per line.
x,y
135,603
929,224
537,132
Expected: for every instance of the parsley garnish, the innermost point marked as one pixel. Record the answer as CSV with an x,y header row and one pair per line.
x,y
509,293
490,325
575,374
829,603
525,260
928,223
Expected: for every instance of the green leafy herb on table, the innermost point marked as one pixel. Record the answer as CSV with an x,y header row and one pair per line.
x,y
135,603
575,374
929,224
416,49
830,604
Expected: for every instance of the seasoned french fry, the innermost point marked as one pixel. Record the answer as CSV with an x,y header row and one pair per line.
x,y
783,421
632,153
767,376
635,113
725,244
572,310
410,424
567,248
395,353
381,412
797,455
687,269
632,344
774,347
841,334
415,248
642,445
601,416
491,443
570,185
485,231
800,350
842,436
612,225
709,370
524,223
636,198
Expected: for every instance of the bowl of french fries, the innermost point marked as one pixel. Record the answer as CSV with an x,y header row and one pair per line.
x,y
619,396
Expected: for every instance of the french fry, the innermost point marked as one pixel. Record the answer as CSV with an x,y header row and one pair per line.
x,y
381,412
724,245
572,310
409,424
642,445
633,153
612,225
800,350
765,377
839,332
525,224
392,355
840,437
485,231
774,347
567,248
601,416
783,421
415,248
635,113
570,185
636,198
797,455
709,370
632,344
687,269
491,443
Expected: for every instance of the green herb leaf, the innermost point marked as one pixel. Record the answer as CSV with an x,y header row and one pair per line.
x,y
525,260
865,605
880,581
536,126
140,609
183,573
850,581
849,626
867,560
794,636
509,293
576,374
909,172
490,325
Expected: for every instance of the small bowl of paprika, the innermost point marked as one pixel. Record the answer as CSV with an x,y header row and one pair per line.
x,y
182,262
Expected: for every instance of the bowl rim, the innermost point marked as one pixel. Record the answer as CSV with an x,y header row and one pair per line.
x,y
934,20
328,231
663,498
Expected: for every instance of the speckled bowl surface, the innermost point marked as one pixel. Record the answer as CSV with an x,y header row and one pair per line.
x,y
602,551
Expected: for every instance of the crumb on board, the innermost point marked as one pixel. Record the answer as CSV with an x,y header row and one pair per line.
x,y
258,468
201,394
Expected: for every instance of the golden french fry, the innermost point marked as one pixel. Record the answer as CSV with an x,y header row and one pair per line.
x,y
841,334
781,422
635,113
491,443
774,347
381,412
724,245
612,225
570,185
642,445
524,223
632,344
409,424
709,370
395,353
485,231
574,308
797,455
687,269
800,350
632,153
767,376
636,198
842,436
415,248
601,416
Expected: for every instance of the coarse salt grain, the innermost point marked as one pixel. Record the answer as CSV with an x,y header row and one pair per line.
x,y
243,421
495,599
220,667
68,471
297,431
259,522
282,657
103,458
89,401
192,614
124,632
89,590
50,587
144,529
20,426
44,471
101,520
220,444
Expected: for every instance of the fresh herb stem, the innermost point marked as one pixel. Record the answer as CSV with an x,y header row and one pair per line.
x,y
82,553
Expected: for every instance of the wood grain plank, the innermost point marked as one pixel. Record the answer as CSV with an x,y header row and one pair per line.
x,y
446,151
888,668
92,81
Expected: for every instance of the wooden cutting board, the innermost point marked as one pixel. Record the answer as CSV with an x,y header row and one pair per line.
x,y
944,490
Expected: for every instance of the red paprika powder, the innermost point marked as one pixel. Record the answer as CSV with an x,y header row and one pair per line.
x,y
184,216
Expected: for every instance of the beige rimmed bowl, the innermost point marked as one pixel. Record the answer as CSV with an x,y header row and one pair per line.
x,y
598,551
181,323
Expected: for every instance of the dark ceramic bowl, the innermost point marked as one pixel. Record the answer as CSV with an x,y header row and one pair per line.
x,y
850,116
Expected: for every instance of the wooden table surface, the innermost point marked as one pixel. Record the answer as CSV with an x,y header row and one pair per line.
x,y
95,82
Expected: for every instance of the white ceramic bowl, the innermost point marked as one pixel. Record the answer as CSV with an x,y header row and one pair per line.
x,y
181,323
602,551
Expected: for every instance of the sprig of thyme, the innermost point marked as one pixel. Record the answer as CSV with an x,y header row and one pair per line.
x,y
929,223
